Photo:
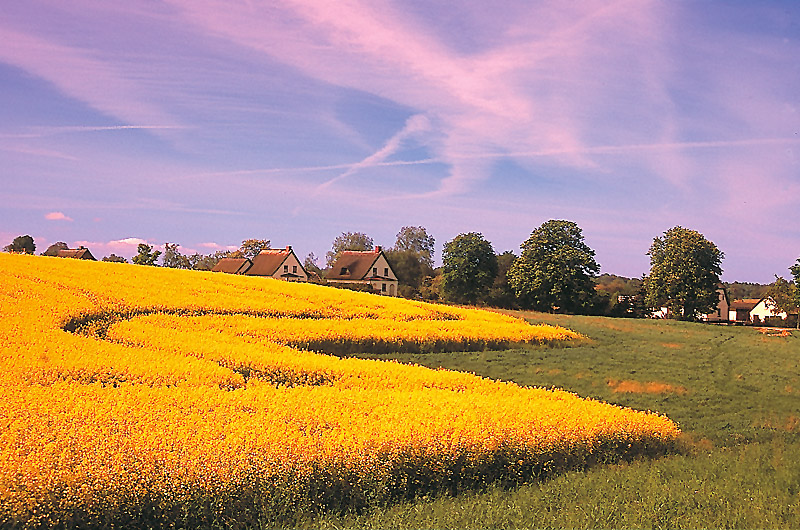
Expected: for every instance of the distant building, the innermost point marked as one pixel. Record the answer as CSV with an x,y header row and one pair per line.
x,y
281,264
369,268
76,253
755,310
722,312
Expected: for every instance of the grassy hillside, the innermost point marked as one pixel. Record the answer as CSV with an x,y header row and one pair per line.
x,y
734,392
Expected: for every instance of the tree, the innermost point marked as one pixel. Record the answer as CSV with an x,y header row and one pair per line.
x,y
348,241
556,269
53,249
410,269
113,258
173,259
310,264
21,244
469,268
501,294
251,247
684,273
416,239
146,255
795,270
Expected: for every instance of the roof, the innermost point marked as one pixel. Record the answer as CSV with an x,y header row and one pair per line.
x,y
746,304
268,262
354,265
232,265
76,253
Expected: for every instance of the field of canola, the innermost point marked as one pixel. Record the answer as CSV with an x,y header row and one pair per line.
x,y
134,395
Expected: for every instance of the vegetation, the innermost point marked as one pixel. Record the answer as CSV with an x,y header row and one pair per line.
x,y
795,270
469,268
348,241
555,270
21,244
684,273
146,255
53,249
415,239
153,397
732,390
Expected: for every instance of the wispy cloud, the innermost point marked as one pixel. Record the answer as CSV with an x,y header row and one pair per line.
x,y
101,85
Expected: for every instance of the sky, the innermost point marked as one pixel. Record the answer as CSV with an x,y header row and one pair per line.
x,y
207,122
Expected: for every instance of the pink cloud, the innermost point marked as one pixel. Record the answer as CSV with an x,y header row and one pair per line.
x,y
57,216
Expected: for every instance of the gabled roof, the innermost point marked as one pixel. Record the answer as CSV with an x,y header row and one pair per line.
x,y
268,262
746,304
232,265
354,265
76,253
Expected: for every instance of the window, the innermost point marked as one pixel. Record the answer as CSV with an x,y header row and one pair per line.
x,y
343,271
294,269
386,272
383,287
374,271
285,268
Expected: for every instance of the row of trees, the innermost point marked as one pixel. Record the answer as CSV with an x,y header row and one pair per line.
x,y
556,271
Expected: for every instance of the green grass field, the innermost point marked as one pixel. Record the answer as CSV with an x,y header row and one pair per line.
x,y
734,391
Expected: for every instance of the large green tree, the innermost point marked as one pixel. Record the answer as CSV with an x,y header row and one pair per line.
x,y
415,239
795,270
251,247
501,294
685,269
348,241
469,267
556,269
21,244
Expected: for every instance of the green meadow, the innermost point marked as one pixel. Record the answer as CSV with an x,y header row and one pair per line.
x,y
734,391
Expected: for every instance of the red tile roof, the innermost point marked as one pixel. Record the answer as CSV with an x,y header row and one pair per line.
x,y
353,265
77,253
232,265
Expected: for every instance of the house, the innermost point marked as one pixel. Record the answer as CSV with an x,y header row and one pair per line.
x,y
766,308
722,312
370,268
281,264
740,309
754,310
76,253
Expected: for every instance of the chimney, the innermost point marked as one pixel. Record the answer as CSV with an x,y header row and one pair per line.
x,y
288,248
378,249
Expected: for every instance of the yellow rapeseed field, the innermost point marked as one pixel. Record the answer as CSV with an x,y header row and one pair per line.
x,y
136,396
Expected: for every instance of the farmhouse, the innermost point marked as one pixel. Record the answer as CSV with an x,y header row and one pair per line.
x,y
76,253
754,310
281,264
369,268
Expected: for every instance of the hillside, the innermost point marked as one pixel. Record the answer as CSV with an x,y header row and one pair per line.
x,y
136,396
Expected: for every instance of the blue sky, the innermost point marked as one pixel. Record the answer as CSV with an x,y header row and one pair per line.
x,y
206,122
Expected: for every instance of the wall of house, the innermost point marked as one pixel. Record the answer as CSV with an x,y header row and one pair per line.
x,y
764,309
291,265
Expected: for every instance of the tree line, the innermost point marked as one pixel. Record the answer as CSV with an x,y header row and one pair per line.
x,y
555,272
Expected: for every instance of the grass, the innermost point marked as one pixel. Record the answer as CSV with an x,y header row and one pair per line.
x,y
734,391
